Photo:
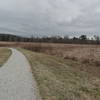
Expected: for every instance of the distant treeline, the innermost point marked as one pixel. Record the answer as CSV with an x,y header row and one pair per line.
x,y
54,39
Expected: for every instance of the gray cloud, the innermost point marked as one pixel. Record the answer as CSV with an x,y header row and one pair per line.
x,y
25,17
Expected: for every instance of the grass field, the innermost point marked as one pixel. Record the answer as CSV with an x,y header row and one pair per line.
x,y
4,55
63,79
82,53
87,55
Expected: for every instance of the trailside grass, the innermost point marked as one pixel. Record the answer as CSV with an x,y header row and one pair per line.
x,y
60,79
4,55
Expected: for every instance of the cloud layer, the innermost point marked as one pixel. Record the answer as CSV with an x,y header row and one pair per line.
x,y
26,17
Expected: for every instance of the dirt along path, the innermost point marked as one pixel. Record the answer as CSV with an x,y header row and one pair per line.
x,y
16,79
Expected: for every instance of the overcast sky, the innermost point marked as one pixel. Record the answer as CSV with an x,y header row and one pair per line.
x,y
40,17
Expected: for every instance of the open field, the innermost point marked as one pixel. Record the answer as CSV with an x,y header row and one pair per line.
x,y
83,53
72,74
4,55
87,55
61,79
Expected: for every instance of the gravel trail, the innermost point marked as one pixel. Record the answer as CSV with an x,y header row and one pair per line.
x,y
16,79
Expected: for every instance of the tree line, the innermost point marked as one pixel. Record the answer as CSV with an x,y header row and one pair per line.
x,y
83,39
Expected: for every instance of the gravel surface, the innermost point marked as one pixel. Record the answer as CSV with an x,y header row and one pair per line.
x,y
16,79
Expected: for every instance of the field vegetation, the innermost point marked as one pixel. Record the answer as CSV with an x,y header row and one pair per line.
x,y
4,55
64,71
63,79
83,53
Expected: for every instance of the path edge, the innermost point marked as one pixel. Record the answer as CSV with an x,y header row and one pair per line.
x,y
37,92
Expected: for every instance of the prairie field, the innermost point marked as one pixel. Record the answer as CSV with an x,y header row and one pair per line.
x,y
87,55
63,71
83,53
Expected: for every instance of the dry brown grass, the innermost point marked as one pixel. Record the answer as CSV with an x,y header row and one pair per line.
x,y
62,79
4,55
89,55
82,53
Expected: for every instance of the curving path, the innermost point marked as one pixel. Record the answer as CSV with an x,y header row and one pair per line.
x,y
16,79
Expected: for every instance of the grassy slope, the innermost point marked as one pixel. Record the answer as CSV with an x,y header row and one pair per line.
x,y
4,55
58,79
